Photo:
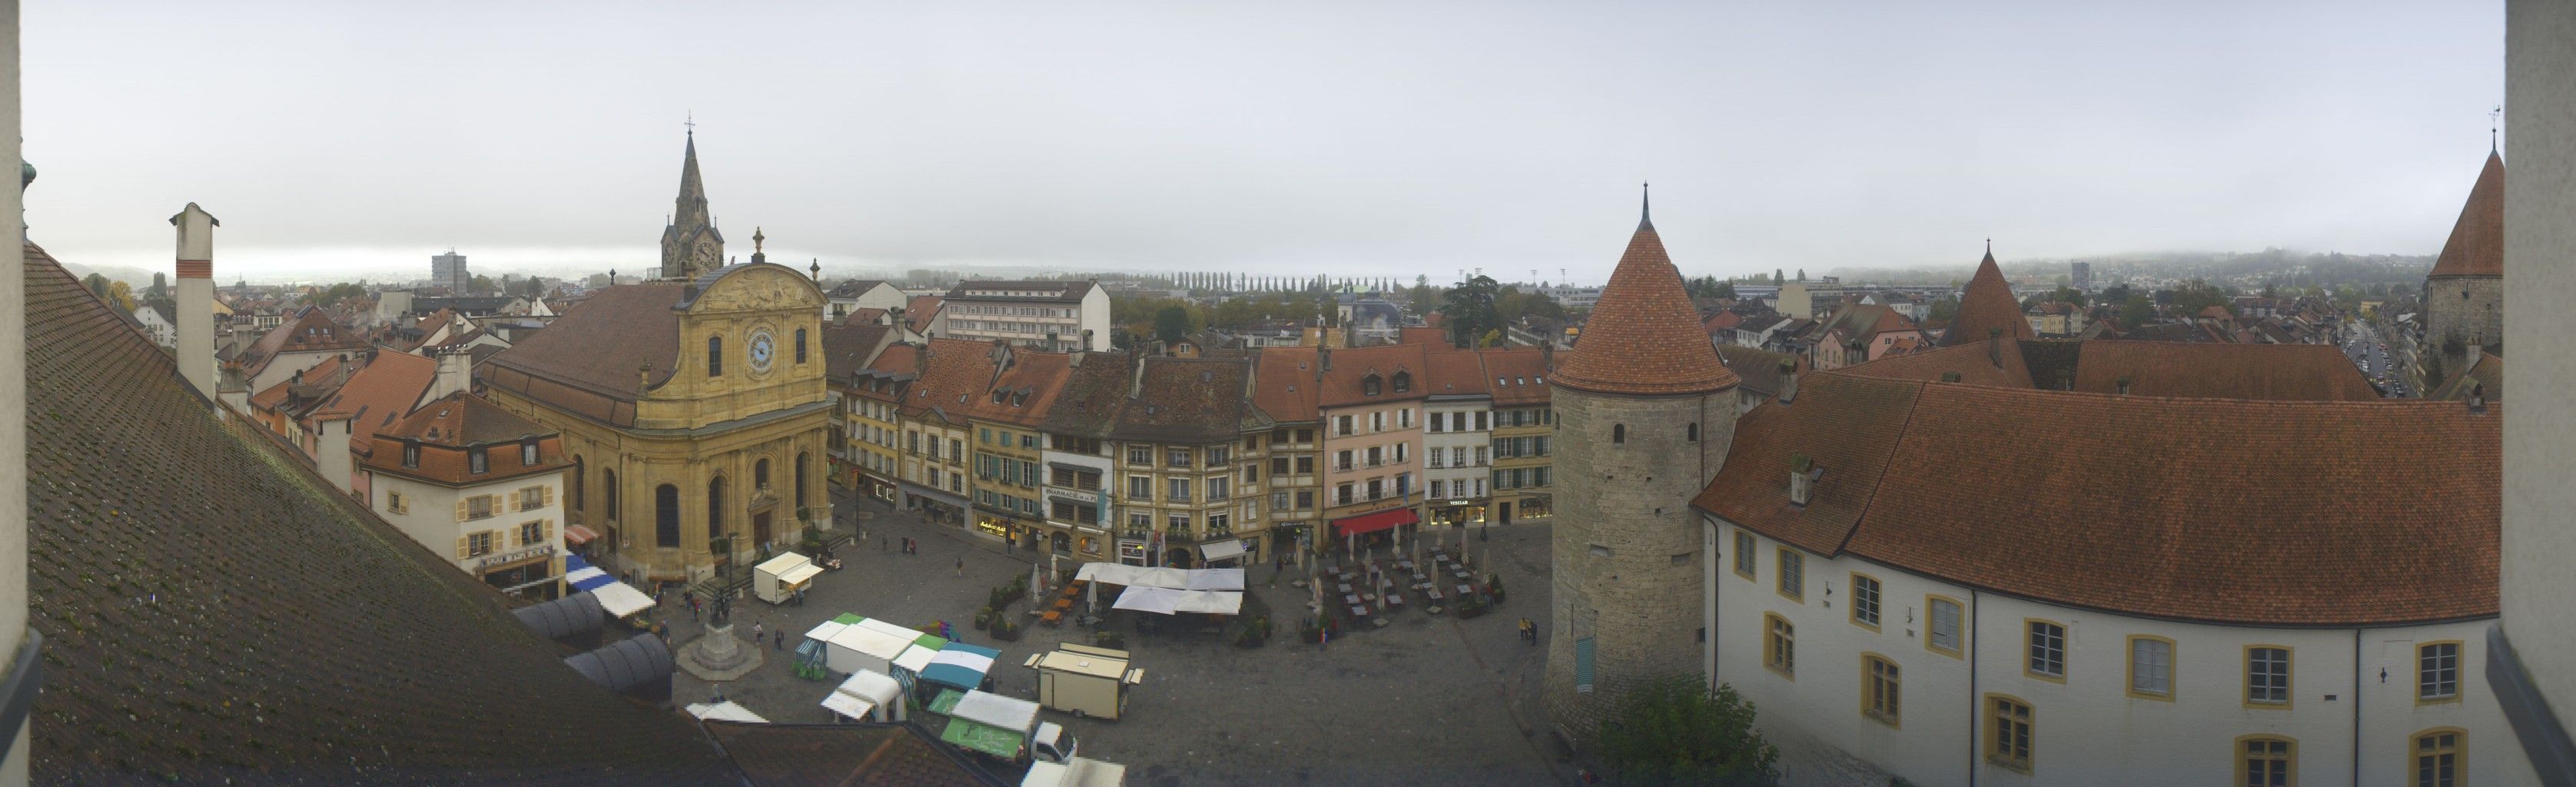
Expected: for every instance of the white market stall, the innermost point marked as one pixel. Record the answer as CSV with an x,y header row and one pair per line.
x,y
960,666
861,647
617,598
867,696
778,579
725,711
1167,590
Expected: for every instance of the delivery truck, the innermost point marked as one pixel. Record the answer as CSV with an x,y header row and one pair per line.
x,y
1085,681
1002,728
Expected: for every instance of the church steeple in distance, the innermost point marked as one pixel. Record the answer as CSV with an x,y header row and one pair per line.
x,y
690,244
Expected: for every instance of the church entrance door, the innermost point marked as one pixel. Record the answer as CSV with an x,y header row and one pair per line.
x,y
760,528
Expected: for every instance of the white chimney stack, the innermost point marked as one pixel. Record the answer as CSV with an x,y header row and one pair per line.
x,y
196,307
455,373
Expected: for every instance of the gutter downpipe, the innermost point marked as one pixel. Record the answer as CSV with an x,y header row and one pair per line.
x,y
1976,702
2356,707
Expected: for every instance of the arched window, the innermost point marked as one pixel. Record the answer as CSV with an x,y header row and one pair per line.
x,y
715,356
1692,434
800,345
760,474
666,516
1618,434
608,488
800,479
715,507
577,480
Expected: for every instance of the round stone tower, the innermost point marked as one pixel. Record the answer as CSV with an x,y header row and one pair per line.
x,y
1644,414
2464,294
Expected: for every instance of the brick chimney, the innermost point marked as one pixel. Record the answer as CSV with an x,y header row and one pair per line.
x,y
196,304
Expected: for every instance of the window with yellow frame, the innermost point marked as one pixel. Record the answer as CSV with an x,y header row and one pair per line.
x,y
2010,734
1867,596
1780,646
2151,667
2438,757
1793,574
2267,761
2044,646
1881,689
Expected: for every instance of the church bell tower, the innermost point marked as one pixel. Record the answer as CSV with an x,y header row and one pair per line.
x,y
690,244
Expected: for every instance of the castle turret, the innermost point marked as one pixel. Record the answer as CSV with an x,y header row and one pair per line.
x,y
1987,308
2464,293
1645,412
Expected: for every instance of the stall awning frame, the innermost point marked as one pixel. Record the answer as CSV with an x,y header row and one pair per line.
x,y
1371,523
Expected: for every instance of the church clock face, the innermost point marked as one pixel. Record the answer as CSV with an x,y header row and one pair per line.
x,y
763,349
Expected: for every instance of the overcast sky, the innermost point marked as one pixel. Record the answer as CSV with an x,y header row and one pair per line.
x,y
343,139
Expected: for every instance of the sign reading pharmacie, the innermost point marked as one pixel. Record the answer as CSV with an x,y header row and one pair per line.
x,y
506,558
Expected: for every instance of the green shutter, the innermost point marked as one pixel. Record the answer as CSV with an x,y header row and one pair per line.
x,y
1583,666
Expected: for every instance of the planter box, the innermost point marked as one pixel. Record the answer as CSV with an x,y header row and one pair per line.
x,y
1007,634
1469,612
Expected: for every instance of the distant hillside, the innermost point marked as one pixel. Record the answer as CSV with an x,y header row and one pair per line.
x,y
138,278
2270,265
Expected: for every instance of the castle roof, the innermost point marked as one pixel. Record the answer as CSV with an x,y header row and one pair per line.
x,y
2277,372
1644,338
2476,247
2359,513
1987,304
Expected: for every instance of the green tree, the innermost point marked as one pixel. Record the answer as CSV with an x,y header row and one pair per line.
x,y
121,294
1802,274
1777,278
1726,289
1674,731
1424,297
2190,297
2137,310
1171,323
1941,312
479,284
2068,294
97,285
1469,309
1493,338
160,285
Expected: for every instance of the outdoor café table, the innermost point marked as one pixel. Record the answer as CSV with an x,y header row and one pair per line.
x,y
1433,592
1344,587
1351,599
1359,611
1395,601
1461,573
1464,591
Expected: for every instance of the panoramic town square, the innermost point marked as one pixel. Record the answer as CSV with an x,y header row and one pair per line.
x,y
1426,700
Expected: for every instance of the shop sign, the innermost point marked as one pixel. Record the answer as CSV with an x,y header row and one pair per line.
x,y
1131,549
506,558
996,527
1075,495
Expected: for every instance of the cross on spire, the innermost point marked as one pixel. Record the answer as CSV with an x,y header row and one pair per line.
x,y
691,122
2495,121
1646,207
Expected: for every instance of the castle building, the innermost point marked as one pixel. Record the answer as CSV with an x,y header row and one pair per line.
x,y
1987,309
1644,413
694,405
2464,295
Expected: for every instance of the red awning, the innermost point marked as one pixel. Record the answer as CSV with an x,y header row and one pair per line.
x,y
1371,523
577,534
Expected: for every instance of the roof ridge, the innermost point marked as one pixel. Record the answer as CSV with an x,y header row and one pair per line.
x,y
1912,406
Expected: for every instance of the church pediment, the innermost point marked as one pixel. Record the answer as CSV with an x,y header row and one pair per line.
x,y
757,287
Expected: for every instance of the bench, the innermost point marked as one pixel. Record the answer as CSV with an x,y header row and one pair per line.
x,y
1052,618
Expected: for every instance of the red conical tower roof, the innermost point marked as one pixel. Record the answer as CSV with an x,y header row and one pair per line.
x,y
1987,304
2477,241
1644,338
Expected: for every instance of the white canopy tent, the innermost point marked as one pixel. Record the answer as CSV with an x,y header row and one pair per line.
x,y
1008,713
725,711
1173,578
1169,601
914,658
873,695
621,599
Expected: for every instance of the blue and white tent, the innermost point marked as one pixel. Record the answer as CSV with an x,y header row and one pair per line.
x,y
961,666
619,598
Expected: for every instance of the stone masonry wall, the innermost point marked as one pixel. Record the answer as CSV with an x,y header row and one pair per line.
x,y
1626,548
2477,319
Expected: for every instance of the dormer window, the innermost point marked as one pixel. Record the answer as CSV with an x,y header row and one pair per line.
x,y
411,453
1369,385
477,460
528,453
997,397
1403,382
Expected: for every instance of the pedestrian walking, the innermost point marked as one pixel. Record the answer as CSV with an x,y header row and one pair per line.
x,y
961,566
781,638
755,631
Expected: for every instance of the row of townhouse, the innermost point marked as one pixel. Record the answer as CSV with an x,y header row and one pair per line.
x,y
1188,461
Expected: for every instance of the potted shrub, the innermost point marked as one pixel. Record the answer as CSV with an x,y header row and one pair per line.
x,y
1017,589
984,617
1470,606
1494,587
1109,639
1005,630
1255,632
996,598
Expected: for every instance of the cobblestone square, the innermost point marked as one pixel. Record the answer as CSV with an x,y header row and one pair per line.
x,y
1426,700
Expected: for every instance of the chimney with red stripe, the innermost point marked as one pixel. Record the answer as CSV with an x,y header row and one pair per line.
x,y
196,306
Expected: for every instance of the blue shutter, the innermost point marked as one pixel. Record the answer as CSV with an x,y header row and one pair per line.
x,y
1583,666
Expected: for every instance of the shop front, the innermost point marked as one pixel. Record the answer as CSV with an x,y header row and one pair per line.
x,y
934,507
998,526
1457,513
1135,551
1372,530
527,573
880,489
1537,506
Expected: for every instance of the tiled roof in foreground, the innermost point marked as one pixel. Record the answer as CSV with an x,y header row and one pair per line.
x,y
2216,510
216,614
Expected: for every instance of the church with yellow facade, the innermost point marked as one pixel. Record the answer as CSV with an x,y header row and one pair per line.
x,y
692,406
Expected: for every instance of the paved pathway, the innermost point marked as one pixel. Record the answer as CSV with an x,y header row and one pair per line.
x,y
1429,700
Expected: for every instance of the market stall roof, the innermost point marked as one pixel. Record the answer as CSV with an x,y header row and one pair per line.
x,y
621,599
872,686
1223,550
872,642
847,705
1080,772
581,575
960,665
579,534
917,657
727,710
784,562
1170,601
826,630
1174,578
891,628
626,664
1370,523
798,575
1008,713
563,617
1082,664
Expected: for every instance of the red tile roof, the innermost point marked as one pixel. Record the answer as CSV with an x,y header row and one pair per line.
x,y
2357,513
379,394
587,360
309,331
2275,372
1985,306
1519,374
445,428
1284,385
1643,337
1346,370
2476,247
1723,321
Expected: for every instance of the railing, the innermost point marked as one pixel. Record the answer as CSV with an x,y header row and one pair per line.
x,y
1177,497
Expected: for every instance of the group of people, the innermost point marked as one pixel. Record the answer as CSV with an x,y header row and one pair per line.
x,y
1529,631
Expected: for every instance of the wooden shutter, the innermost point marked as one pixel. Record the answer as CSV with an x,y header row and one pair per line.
x,y
514,502
460,508
550,496
461,547
549,533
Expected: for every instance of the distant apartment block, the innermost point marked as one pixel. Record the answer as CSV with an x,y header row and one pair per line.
x,y
1049,315
448,270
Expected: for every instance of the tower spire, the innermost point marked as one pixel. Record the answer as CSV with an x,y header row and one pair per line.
x,y
1645,207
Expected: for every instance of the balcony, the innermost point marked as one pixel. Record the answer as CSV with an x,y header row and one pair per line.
x,y
1177,497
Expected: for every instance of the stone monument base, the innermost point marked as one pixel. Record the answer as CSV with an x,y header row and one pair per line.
x,y
718,656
